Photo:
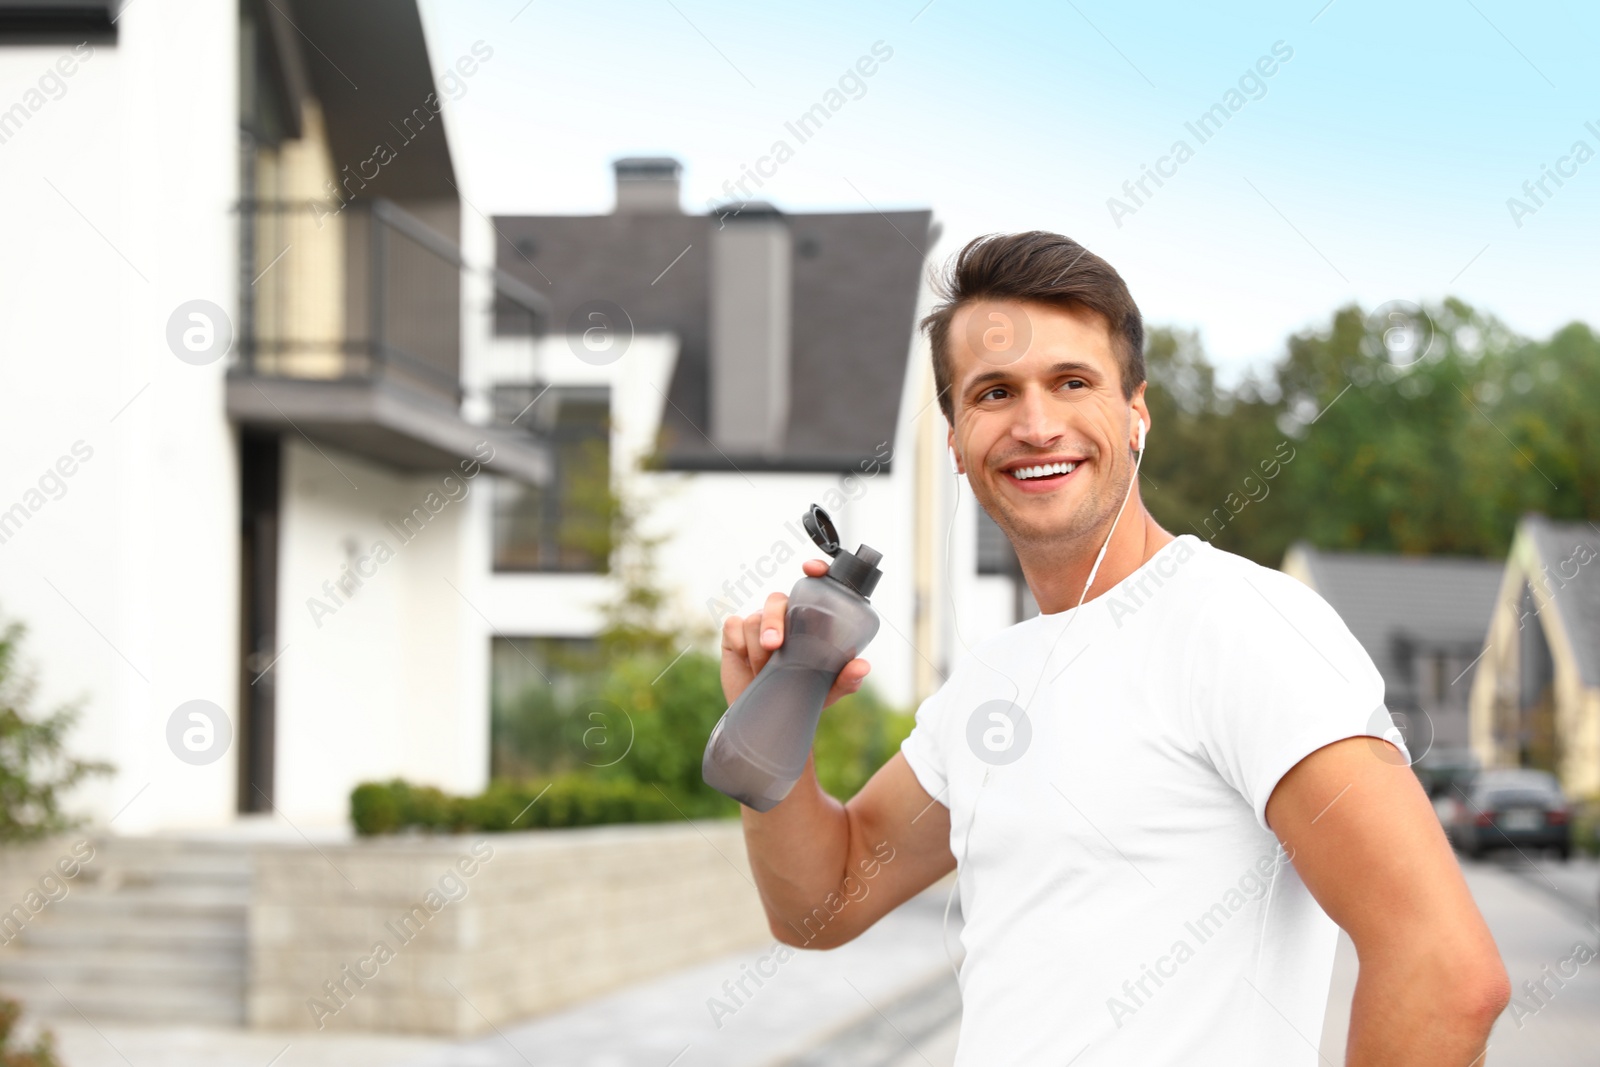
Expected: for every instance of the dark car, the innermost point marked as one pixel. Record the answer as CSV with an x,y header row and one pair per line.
x,y
1521,809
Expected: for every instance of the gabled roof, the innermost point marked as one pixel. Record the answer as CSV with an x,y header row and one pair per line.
x,y
856,278
1561,549
1428,600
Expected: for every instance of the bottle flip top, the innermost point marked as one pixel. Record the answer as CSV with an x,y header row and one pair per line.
x,y
759,747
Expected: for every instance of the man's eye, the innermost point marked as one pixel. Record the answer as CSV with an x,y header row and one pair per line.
x,y
1077,383
988,392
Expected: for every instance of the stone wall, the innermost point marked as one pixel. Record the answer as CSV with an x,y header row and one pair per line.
x,y
446,935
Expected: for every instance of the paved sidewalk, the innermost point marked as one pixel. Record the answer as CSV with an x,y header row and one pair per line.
x,y
814,997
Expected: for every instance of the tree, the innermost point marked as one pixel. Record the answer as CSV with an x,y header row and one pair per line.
x,y
1436,448
34,769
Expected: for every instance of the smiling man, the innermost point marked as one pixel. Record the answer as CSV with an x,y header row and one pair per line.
x,y
1165,793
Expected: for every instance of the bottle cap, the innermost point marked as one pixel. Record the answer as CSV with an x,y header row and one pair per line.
x,y
858,570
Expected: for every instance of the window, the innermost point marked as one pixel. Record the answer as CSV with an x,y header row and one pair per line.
x,y
995,554
537,689
565,524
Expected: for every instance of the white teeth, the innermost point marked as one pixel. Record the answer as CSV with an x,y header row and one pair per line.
x,y
1043,471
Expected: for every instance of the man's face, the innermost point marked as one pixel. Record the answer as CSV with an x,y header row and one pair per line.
x,y
1035,384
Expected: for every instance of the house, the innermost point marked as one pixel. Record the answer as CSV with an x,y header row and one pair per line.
x,y
750,362
241,480
1422,620
1536,699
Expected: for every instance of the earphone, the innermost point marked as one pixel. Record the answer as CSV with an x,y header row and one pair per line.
x,y
944,937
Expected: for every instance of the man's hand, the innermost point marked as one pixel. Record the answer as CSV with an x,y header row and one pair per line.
x,y
748,642
1367,844
888,844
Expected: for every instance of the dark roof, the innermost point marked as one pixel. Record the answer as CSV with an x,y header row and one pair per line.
x,y
1563,547
1435,601
856,279
368,64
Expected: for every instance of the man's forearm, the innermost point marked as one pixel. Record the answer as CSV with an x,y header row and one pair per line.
x,y
798,853
1429,1012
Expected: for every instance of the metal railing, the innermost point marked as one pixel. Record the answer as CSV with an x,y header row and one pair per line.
x,y
362,291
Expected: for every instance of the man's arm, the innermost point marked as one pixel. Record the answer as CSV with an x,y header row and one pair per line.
x,y
827,871
1369,847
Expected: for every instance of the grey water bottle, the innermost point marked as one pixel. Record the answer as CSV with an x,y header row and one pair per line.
x,y
759,747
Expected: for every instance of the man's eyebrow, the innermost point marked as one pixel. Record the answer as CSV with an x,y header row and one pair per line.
x,y
1054,368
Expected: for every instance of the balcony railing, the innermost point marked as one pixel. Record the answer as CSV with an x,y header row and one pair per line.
x,y
363,292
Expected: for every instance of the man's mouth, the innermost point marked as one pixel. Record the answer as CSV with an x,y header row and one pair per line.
x,y
1043,476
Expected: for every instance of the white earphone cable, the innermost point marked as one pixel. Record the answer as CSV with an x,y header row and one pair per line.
x,y
966,841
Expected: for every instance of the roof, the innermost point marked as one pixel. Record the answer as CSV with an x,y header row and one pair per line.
x,y
1428,600
1572,548
367,62
856,278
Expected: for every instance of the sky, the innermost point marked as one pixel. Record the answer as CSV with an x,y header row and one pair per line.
x,y
1374,163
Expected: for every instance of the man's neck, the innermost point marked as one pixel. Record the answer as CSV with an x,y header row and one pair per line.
x,y
1057,582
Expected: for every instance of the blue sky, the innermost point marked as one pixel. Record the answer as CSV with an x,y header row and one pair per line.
x,y
1373,164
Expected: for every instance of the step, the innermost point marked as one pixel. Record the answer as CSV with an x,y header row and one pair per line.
x,y
218,1005
139,903
141,966
111,932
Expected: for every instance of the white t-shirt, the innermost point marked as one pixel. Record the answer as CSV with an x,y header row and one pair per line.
x,y
1124,900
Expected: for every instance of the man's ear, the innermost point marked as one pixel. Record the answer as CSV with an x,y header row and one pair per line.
x,y
950,443
1140,412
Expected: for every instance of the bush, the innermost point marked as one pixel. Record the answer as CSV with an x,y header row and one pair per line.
x,y
34,769
540,803
1586,825
43,1052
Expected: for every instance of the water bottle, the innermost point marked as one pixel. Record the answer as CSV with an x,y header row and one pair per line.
x,y
759,747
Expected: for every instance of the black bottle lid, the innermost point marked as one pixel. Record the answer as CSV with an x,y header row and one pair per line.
x,y
858,570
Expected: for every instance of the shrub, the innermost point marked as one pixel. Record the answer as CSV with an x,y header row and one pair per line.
x,y
34,769
1586,825
43,1052
563,800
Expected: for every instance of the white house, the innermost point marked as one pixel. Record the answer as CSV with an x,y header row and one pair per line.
x,y
272,501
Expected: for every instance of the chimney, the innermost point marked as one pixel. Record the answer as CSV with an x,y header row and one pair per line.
x,y
751,254
647,185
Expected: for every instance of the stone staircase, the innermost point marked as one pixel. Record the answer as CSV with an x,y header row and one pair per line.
x,y
152,930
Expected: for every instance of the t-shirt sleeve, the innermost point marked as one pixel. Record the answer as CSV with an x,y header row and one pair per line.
x,y
1276,676
924,750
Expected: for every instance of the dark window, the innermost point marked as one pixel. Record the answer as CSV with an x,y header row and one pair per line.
x,y
537,692
62,22
995,555
1537,668
565,524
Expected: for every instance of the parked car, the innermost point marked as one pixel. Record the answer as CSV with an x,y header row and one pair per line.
x,y
1441,771
1521,809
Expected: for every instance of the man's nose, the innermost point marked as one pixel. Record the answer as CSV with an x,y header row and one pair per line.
x,y
1038,420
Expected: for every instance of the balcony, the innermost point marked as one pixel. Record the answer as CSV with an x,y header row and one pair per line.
x,y
350,332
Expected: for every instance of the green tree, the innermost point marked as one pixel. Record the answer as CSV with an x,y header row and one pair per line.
x,y
1438,452
35,771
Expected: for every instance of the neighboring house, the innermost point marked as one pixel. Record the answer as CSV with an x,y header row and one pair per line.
x,y
751,362
1422,620
1536,700
289,527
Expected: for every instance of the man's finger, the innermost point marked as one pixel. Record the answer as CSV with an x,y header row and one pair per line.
x,y
752,641
733,635
849,680
772,620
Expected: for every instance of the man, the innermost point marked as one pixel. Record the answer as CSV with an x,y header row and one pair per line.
x,y
1162,798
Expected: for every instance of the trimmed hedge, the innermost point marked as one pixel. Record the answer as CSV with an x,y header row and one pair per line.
x,y
564,800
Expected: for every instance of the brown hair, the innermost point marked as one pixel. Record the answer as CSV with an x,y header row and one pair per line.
x,y
1038,266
